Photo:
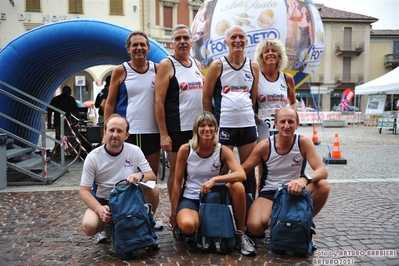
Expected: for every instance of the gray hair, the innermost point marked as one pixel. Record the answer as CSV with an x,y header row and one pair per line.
x,y
282,56
178,27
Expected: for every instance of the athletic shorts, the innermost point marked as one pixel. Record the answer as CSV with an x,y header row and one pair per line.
x,y
148,143
103,202
237,136
186,203
269,194
180,138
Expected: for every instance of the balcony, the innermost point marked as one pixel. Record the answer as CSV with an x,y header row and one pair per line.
x,y
343,78
348,48
391,60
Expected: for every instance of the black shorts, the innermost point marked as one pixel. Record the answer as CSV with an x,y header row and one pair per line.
x,y
237,136
103,202
148,143
269,194
180,138
186,203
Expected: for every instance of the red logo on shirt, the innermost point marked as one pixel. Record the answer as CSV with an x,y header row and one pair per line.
x,y
183,86
261,98
226,89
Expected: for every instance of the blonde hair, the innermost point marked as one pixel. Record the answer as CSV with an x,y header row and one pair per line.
x,y
282,56
199,119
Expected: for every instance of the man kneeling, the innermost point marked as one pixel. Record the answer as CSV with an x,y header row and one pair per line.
x,y
105,166
284,158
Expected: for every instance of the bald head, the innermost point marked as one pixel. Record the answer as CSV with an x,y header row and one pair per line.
x,y
287,111
234,29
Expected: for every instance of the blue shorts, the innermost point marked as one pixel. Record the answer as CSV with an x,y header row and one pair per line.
x,y
180,138
237,136
186,203
148,143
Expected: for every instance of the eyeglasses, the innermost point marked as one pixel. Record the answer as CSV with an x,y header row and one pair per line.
x,y
184,37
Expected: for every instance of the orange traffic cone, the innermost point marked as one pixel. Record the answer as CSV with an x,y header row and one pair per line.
x,y
336,157
315,136
336,151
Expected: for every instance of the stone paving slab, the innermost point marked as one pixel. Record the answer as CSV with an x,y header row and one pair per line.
x,y
43,228
40,224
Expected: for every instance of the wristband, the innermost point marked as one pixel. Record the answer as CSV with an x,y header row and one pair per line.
x,y
141,173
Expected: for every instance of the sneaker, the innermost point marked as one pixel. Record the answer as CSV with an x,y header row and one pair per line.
x,y
105,235
192,238
158,224
247,245
314,247
313,232
178,235
313,229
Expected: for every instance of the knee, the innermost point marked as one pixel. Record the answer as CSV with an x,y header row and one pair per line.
x,y
187,226
89,228
151,195
236,188
255,228
323,187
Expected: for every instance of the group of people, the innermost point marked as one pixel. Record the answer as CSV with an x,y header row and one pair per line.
x,y
198,121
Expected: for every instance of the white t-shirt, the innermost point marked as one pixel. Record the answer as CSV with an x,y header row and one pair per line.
x,y
106,169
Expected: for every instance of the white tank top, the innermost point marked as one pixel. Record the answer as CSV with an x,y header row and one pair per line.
x,y
233,104
136,100
184,96
272,95
282,168
199,170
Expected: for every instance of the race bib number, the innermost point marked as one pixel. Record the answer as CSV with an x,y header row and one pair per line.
x,y
267,116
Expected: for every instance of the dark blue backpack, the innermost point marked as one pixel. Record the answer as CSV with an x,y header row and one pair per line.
x,y
291,222
132,226
217,228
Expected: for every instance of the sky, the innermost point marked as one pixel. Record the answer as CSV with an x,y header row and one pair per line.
x,y
387,11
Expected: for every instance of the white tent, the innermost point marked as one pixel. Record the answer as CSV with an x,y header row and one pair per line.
x,y
388,83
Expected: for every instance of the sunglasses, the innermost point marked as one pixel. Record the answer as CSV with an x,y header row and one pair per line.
x,y
184,37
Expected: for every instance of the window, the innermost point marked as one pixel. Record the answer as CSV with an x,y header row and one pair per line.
x,y
33,6
347,38
395,47
76,6
346,73
116,7
168,16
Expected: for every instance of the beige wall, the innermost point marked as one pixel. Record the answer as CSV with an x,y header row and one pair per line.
x,y
378,49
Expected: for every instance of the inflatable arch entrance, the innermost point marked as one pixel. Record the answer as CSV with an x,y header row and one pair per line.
x,y
38,61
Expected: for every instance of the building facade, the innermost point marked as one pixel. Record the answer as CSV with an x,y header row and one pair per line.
x,y
353,52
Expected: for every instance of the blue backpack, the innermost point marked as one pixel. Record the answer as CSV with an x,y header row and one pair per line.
x,y
132,226
217,225
291,222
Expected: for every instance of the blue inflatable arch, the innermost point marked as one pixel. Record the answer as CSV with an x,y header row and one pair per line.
x,y
38,61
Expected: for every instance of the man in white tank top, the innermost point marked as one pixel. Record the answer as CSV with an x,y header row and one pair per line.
x,y
284,157
178,96
232,85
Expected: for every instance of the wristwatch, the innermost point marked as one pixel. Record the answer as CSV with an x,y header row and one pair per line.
x,y
308,177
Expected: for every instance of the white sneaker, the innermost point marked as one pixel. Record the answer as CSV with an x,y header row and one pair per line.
x,y
105,235
247,245
158,224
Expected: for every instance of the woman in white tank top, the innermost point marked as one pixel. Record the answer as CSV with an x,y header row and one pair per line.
x,y
275,88
198,167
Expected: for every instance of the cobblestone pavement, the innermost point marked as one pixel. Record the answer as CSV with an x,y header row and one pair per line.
x,y
359,225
